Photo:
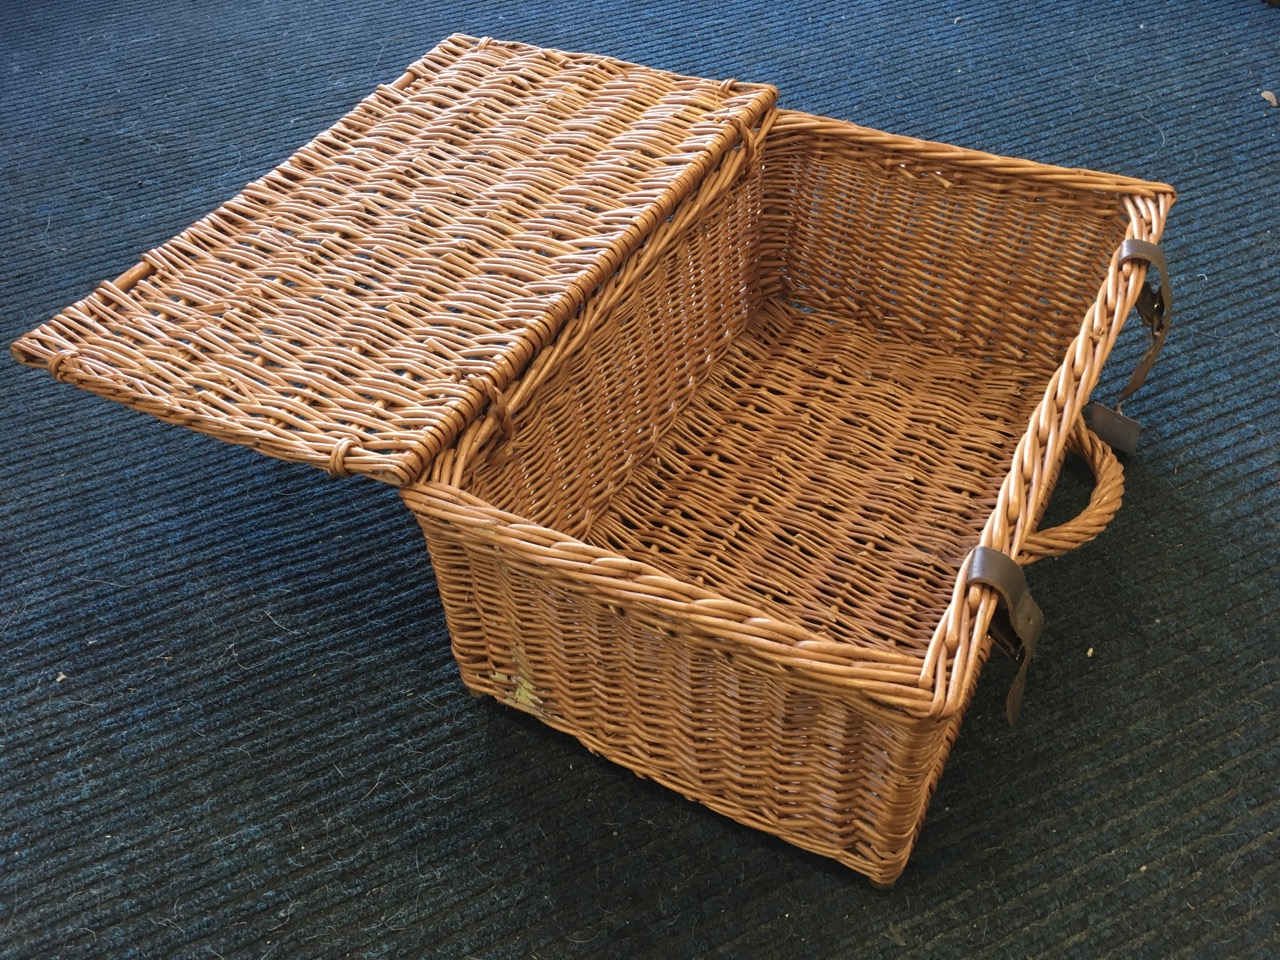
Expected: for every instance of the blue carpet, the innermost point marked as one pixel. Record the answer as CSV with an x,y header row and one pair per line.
x,y
229,722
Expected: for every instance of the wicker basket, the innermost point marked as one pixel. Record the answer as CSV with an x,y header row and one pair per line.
x,y
720,533
707,438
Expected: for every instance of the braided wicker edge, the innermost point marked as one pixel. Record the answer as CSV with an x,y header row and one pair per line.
x,y
962,632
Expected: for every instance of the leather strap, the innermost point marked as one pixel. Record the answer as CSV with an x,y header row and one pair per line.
x,y
1155,307
1018,622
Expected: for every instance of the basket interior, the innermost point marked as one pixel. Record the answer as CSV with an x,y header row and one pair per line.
x,y
828,476
809,407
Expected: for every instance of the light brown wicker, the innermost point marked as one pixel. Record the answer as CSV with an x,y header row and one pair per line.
x,y
703,407
357,306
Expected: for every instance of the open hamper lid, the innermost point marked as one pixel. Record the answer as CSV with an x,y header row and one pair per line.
x,y
358,306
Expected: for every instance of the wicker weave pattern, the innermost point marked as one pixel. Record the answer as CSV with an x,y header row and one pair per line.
x,y
360,304
905,370
700,405
680,685
592,408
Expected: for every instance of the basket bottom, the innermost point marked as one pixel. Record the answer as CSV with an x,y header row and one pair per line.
x,y
828,474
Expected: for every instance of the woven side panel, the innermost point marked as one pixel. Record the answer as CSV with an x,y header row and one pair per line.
x,y
602,406
998,259
681,701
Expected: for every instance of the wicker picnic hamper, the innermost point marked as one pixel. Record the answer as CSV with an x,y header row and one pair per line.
x,y
728,428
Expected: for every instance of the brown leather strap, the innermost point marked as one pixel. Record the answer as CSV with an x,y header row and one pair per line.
x,y
1019,621
1155,307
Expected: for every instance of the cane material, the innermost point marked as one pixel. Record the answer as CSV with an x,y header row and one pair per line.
x,y
701,405
360,304
722,537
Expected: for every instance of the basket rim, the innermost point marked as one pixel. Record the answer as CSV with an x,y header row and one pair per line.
x,y
923,152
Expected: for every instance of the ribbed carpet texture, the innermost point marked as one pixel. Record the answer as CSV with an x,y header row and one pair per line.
x,y
230,725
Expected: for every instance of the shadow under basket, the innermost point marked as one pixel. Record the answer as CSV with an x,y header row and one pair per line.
x,y
721,530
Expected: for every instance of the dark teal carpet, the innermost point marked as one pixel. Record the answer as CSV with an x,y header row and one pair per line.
x,y
229,722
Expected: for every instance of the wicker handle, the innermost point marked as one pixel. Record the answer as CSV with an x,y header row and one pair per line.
x,y
1107,492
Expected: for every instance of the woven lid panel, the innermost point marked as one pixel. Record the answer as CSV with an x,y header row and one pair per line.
x,y
356,307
